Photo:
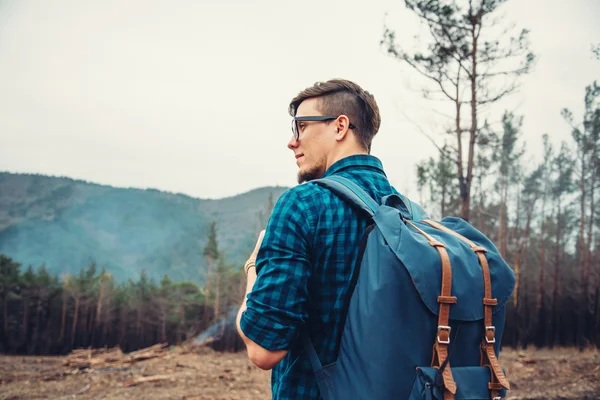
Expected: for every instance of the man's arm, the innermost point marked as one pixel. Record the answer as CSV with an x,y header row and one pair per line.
x,y
261,357
275,306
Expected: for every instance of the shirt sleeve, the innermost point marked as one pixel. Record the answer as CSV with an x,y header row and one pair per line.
x,y
277,304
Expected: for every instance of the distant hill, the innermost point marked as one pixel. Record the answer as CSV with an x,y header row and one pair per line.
x,y
67,224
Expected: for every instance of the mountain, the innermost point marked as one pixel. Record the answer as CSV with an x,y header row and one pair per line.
x,y
68,223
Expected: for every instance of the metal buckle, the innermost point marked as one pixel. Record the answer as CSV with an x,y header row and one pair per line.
x,y
493,329
444,328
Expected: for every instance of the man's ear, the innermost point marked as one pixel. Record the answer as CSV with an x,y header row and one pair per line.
x,y
342,126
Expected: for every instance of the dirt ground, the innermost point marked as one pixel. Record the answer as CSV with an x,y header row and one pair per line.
x,y
208,375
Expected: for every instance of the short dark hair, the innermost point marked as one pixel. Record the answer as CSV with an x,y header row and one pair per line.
x,y
340,96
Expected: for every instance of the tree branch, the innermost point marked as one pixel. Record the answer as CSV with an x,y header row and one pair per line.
x,y
445,153
433,78
422,15
513,72
499,96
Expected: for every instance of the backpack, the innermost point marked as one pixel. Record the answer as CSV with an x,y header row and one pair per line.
x,y
425,309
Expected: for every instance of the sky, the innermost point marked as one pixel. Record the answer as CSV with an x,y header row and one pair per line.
x,y
191,96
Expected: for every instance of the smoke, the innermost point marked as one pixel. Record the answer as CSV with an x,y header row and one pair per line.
x,y
219,330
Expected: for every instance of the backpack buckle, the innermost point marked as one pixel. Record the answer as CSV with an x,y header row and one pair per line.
x,y
491,329
445,329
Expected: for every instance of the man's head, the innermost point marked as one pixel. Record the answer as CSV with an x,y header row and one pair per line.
x,y
332,120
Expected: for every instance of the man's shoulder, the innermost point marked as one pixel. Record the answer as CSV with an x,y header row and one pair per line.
x,y
304,191
309,199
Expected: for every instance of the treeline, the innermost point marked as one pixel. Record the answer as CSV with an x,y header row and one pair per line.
x,y
543,218
45,314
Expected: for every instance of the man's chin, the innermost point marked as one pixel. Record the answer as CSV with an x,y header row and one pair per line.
x,y
307,175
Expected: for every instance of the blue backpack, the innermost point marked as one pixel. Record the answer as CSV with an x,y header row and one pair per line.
x,y
426,308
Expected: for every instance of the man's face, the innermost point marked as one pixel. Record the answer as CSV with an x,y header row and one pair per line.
x,y
315,140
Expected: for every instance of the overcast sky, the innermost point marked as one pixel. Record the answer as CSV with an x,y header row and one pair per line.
x,y
191,96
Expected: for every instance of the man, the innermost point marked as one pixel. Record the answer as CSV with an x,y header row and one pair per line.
x,y
300,270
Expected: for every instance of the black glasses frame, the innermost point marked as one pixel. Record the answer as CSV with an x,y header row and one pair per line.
x,y
312,118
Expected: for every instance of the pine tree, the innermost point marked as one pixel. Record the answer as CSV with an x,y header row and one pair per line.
x,y
562,186
211,254
465,55
507,157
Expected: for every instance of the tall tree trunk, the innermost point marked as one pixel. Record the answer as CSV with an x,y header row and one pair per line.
x,y
63,319
465,198
581,241
122,325
138,321
587,305
515,233
163,327
556,319
74,327
25,325
523,312
180,324
217,296
459,161
138,326
517,266
501,219
444,189
480,210
207,291
99,304
105,325
90,320
541,320
85,322
36,332
581,314
522,245
143,334
597,314
5,314
83,319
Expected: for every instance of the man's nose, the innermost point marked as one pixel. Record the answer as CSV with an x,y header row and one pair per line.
x,y
293,143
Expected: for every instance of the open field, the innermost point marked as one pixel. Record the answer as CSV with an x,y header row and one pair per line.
x,y
209,375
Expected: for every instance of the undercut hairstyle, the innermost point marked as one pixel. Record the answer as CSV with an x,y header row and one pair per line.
x,y
343,97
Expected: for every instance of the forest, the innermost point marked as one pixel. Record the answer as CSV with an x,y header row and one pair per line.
x,y
45,314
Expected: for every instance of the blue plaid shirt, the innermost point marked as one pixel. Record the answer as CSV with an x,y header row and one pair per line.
x,y
304,268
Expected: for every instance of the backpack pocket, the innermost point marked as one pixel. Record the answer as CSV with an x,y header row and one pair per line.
x,y
471,384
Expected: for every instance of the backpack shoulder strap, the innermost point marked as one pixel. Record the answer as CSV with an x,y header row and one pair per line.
x,y
349,192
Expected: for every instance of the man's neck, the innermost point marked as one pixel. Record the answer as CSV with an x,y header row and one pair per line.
x,y
343,153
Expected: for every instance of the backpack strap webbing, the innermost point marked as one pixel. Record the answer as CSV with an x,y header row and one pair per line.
x,y
488,355
440,347
350,192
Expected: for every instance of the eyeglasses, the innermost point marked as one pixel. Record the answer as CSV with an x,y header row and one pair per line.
x,y
315,118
